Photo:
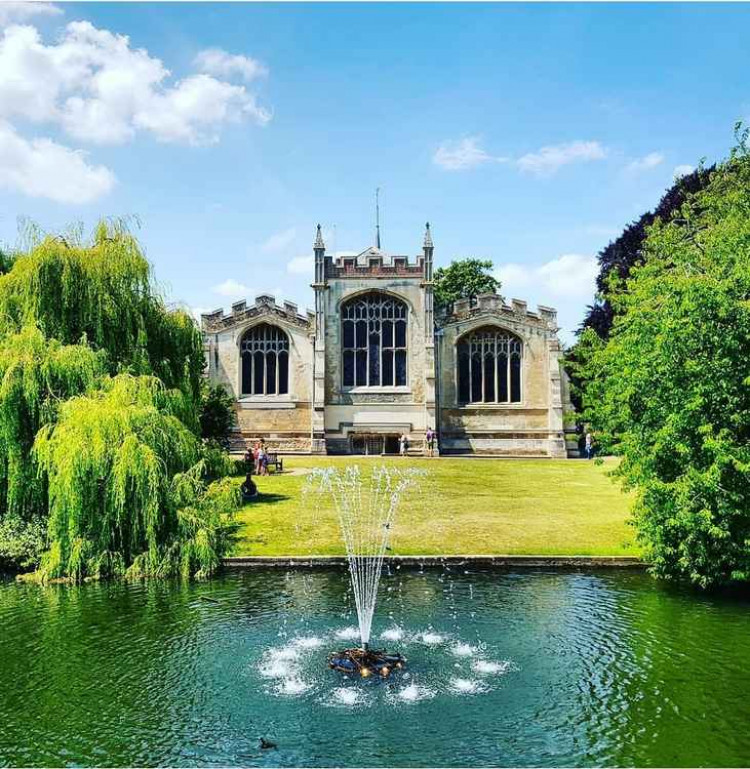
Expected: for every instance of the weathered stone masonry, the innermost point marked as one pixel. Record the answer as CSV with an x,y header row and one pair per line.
x,y
360,370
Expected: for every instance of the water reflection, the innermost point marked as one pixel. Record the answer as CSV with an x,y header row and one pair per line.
x,y
527,668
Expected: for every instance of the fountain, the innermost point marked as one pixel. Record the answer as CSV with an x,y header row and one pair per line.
x,y
366,508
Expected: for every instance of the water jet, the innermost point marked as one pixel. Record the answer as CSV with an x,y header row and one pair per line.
x,y
366,508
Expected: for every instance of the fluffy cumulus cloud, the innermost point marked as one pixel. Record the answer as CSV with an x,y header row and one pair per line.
x,y
43,168
570,276
99,89
214,61
14,12
231,289
646,163
463,154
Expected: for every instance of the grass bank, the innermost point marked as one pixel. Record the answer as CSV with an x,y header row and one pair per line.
x,y
467,506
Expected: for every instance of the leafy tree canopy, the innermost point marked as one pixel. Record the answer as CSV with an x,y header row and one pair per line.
x,y
125,484
102,290
217,415
670,389
100,441
463,279
616,262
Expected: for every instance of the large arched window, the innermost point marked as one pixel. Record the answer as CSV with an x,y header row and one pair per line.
x,y
373,332
265,361
489,367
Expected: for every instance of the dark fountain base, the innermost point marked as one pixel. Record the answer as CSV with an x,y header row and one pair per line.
x,y
366,662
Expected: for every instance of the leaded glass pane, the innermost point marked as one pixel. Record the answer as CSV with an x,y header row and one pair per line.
x,y
489,367
260,348
374,341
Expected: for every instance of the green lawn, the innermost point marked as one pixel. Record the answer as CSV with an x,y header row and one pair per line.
x,y
467,506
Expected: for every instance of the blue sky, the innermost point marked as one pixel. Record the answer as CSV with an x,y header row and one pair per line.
x,y
526,134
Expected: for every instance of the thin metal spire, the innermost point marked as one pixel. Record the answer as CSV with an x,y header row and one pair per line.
x,y
377,217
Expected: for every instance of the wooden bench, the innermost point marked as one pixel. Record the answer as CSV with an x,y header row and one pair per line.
x,y
276,461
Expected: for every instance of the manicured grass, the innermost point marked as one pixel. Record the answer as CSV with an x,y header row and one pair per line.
x,y
466,506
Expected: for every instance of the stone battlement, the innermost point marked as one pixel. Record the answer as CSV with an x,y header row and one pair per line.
x,y
264,304
492,302
372,262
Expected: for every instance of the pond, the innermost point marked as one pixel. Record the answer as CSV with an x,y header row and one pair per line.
x,y
526,668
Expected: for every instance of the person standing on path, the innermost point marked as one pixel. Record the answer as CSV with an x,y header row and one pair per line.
x,y
589,446
402,445
430,440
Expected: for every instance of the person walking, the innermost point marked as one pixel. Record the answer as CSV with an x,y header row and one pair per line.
x,y
589,446
430,440
402,445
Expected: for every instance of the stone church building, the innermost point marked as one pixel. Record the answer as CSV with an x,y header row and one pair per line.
x,y
373,362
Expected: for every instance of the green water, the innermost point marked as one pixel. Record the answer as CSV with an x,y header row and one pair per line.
x,y
513,669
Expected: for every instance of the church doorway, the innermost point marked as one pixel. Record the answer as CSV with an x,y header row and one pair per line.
x,y
373,445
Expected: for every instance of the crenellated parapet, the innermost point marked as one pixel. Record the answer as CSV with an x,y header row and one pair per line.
x,y
264,305
374,263
494,304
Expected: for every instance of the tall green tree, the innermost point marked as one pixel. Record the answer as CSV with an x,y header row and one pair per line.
x,y
670,389
100,396
463,279
616,262
101,289
126,489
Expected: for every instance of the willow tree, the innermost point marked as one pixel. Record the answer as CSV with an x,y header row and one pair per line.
x,y
36,374
102,290
127,488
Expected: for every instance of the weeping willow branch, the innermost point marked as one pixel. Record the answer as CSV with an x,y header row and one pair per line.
x,y
99,394
126,488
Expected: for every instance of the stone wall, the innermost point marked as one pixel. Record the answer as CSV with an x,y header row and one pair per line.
x,y
531,427
282,420
391,410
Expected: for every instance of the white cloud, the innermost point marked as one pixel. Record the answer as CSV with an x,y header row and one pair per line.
x,y
463,154
231,288
301,265
14,12
568,276
645,163
42,168
279,241
683,170
214,61
99,89
549,160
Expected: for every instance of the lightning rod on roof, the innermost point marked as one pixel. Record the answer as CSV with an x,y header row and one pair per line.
x,y
377,217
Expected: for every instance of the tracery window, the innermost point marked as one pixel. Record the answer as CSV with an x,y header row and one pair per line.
x,y
373,333
264,350
489,367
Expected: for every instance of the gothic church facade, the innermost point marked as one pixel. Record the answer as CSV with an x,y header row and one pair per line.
x,y
373,362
